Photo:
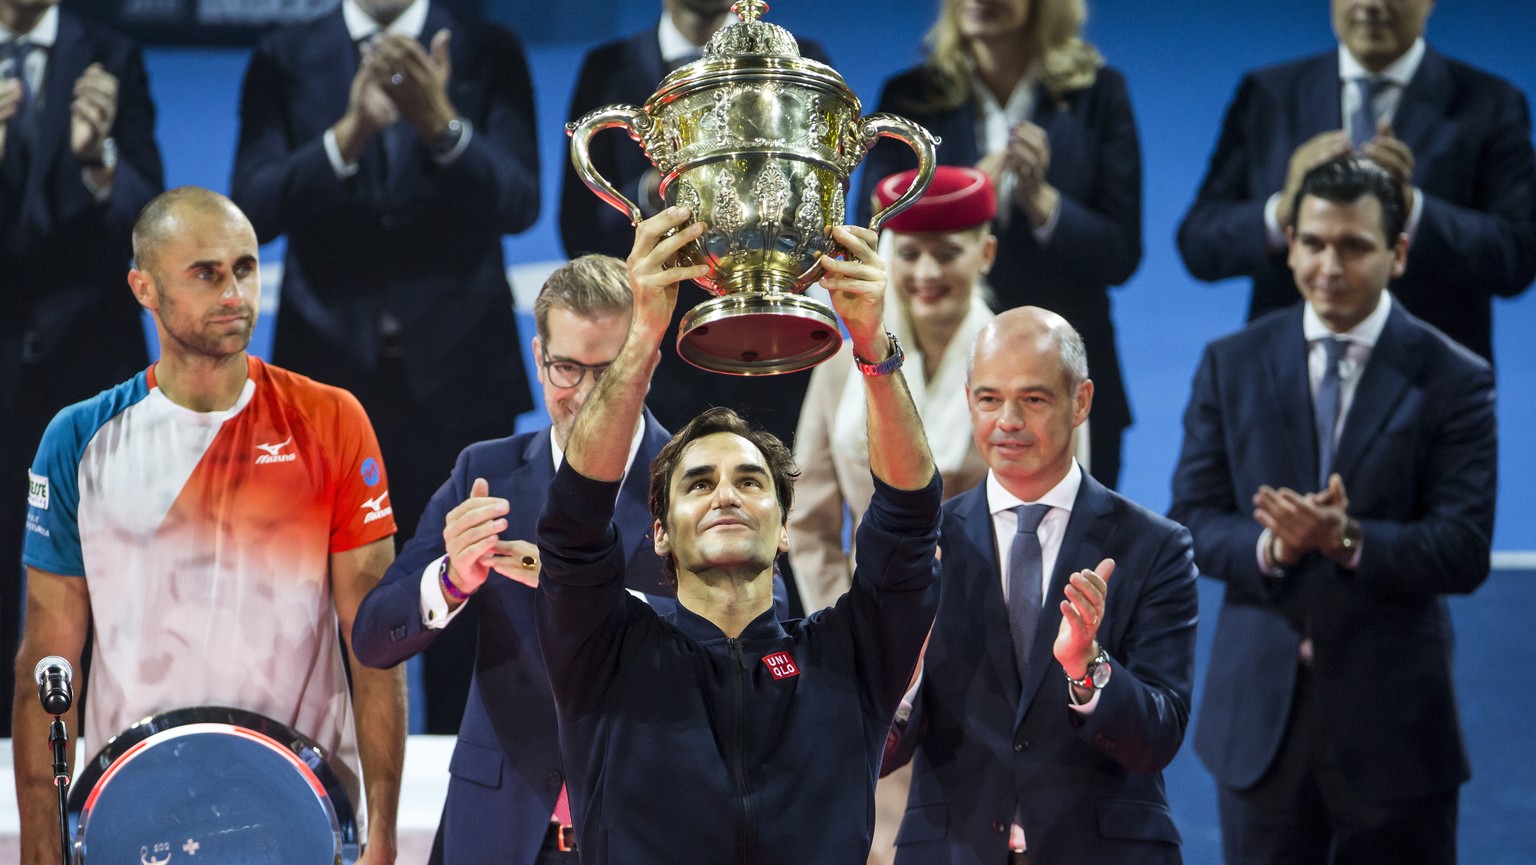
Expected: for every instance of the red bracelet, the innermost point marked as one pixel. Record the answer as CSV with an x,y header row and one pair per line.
x,y
449,588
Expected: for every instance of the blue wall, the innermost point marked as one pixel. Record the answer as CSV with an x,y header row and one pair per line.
x,y
1183,60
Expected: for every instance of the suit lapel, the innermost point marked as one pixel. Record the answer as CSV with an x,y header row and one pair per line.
x,y
535,471
1424,104
1285,367
973,577
1380,390
1318,106
646,51
1088,536
633,505
50,139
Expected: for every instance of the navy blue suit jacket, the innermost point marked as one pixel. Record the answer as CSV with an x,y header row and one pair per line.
x,y
1417,456
63,255
425,249
1088,788
627,72
506,770
1470,133
1096,164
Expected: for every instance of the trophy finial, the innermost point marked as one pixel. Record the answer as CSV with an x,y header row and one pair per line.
x,y
749,10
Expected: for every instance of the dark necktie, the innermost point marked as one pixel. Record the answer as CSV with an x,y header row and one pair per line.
x,y
1362,126
393,148
1326,408
13,64
1025,575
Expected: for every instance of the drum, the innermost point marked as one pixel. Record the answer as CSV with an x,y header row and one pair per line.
x,y
211,786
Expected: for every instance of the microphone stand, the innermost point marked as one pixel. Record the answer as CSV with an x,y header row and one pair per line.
x,y
59,739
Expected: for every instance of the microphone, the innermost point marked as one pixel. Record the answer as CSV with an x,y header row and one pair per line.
x,y
53,675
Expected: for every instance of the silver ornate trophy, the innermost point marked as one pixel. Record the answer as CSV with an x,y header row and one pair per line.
x,y
758,142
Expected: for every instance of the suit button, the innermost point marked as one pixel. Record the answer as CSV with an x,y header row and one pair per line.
x,y
387,221
999,826
555,779
1021,746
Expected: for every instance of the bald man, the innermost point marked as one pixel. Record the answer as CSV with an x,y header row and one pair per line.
x,y
188,471
1062,656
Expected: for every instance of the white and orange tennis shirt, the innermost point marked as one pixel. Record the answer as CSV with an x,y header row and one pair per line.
x,y
205,537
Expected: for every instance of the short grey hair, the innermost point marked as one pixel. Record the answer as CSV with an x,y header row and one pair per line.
x,y
1069,343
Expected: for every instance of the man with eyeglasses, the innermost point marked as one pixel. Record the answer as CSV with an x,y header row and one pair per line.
x,y
474,551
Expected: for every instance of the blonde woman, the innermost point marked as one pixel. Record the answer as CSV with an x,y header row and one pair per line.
x,y
1014,90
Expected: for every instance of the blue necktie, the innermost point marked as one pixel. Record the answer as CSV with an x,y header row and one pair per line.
x,y
1326,408
1025,573
1362,126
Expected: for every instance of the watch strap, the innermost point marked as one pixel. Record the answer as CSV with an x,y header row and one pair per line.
x,y
891,363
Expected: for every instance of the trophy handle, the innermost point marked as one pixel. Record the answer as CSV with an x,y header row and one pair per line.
x,y
914,136
581,131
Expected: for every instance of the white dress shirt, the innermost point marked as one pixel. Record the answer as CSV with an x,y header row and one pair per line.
x,y
1399,72
995,123
361,27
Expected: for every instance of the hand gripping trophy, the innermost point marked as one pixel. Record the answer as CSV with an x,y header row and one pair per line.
x,y
758,142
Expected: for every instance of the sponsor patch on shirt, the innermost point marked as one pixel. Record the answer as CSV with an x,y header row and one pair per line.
x,y
371,472
377,509
272,452
781,665
37,490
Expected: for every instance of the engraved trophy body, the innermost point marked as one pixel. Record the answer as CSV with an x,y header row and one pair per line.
x,y
758,143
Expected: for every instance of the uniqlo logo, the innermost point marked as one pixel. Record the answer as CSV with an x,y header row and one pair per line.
x,y
781,665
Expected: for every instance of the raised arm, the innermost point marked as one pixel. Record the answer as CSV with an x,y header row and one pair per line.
x,y
58,618
898,449
378,700
619,398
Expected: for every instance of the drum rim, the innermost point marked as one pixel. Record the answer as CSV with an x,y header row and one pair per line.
x,y
304,749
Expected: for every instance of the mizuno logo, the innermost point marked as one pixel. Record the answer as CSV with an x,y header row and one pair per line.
x,y
274,453
377,510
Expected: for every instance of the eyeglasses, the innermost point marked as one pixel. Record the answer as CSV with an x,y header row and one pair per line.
x,y
569,373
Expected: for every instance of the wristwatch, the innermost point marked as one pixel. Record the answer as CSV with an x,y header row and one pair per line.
x,y
1349,535
443,143
885,367
1096,676
107,158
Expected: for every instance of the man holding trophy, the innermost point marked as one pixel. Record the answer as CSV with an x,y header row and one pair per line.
x,y
766,735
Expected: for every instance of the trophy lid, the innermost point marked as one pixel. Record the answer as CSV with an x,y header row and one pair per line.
x,y
751,35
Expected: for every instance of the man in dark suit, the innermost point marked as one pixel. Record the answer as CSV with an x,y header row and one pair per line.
x,y
1455,138
1047,575
506,780
78,161
628,71
393,144
1338,474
